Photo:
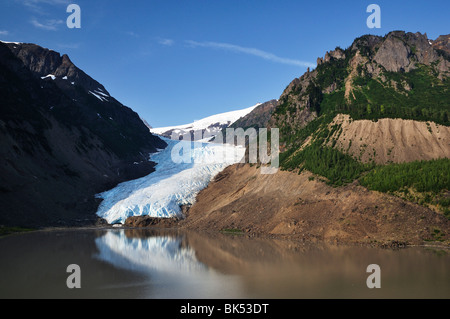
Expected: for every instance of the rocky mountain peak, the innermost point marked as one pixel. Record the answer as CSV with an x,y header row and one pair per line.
x,y
442,43
401,51
64,139
343,74
336,54
43,62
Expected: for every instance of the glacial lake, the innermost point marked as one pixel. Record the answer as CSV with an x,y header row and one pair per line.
x,y
170,264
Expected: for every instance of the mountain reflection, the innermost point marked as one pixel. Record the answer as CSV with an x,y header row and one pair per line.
x,y
129,263
189,264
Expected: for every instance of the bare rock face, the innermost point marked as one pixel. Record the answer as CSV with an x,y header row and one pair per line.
x,y
369,41
43,62
401,51
442,43
258,118
393,55
336,54
299,112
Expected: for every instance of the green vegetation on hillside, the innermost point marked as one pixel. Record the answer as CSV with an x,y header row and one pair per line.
x,y
416,95
424,182
334,71
422,94
295,139
424,176
337,167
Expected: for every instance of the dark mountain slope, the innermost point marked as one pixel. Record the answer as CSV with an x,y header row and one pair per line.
x,y
258,118
63,139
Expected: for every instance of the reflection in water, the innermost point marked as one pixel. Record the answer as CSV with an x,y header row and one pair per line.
x,y
156,255
168,264
167,261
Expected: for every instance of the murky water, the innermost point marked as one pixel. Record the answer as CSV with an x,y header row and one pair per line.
x,y
122,263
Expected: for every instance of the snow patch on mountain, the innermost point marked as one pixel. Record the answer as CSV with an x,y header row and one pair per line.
x,y
210,125
99,95
6,42
49,76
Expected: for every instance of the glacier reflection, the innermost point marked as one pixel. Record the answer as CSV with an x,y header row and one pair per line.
x,y
168,263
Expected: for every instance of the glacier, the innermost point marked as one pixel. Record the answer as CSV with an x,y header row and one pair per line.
x,y
183,169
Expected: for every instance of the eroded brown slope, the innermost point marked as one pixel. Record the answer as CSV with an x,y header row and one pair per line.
x,y
391,140
288,204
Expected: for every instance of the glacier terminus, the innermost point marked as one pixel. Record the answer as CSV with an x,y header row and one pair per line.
x,y
173,184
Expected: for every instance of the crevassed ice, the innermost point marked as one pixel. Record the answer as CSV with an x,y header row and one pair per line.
x,y
177,180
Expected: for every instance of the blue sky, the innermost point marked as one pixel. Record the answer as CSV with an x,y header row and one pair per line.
x,y
177,61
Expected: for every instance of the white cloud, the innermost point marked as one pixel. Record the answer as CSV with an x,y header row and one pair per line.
x,y
41,6
50,25
36,3
251,51
4,32
167,42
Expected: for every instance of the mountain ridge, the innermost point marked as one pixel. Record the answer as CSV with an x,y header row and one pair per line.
x,y
364,152
401,83
340,74
64,139
257,118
